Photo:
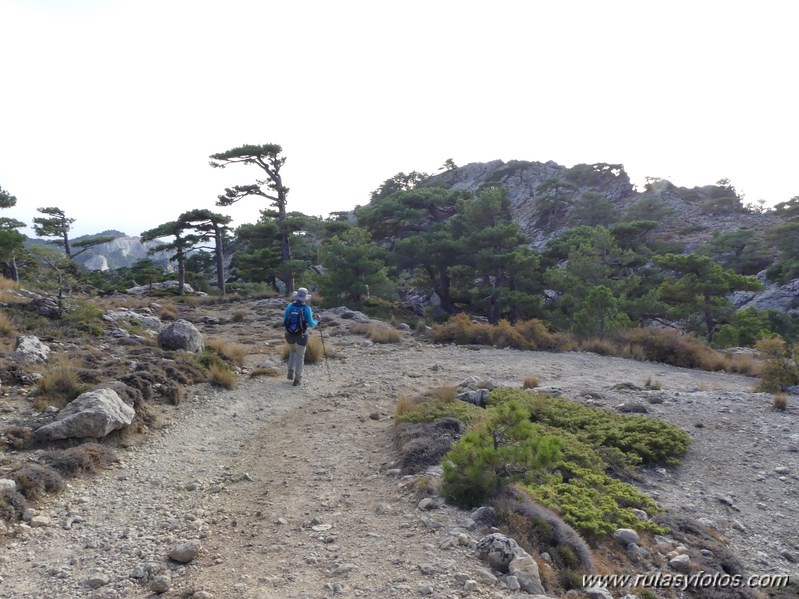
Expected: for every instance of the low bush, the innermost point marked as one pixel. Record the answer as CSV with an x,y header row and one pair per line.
x,y
383,334
423,444
502,448
18,437
563,455
12,505
780,369
529,334
35,480
87,458
168,311
642,440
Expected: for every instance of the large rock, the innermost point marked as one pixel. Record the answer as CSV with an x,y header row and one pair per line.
x,y
181,334
126,315
772,296
92,415
30,349
524,568
499,551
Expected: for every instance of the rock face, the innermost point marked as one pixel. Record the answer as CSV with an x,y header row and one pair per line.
x,y
123,251
780,297
181,334
92,415
30,349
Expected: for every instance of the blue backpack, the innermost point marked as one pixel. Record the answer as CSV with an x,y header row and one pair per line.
x,y
295,323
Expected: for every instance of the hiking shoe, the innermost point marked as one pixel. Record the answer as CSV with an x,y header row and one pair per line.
x,y
297,382
291,375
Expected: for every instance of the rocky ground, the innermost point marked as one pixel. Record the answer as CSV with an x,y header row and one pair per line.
x,y
290,492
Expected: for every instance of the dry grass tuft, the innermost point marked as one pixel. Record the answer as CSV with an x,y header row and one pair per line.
x,y
780,402
7,328
234,352
60,383
531,382
168,312
405,404
383,334
238,316
222,375
7,284
313,351
270,372
653,384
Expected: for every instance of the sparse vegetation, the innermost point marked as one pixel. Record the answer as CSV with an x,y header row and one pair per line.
x,y
60,383
233,352
222,375
780,369
87,458
35,480
269,372
531,382
780,402
7,328
313,351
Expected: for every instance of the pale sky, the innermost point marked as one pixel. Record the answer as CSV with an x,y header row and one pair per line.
x,y
110,108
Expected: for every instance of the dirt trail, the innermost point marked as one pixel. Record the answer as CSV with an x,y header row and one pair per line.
x,y
286,487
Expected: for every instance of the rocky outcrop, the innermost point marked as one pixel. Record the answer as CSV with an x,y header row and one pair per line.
x,y
29,348
94,415
772,296
181,335
122,252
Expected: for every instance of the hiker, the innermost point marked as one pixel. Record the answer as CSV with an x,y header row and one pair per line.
x,y
297,318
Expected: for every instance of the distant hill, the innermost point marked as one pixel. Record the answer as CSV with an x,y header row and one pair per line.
x,y
686,217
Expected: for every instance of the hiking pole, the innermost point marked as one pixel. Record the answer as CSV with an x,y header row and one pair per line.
x,y
324,351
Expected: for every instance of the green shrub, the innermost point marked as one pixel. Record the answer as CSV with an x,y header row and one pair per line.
x,y
503,448
428,411
640,439
781,367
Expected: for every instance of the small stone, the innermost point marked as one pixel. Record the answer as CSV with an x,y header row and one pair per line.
x,y
428,503
137,572
202,595
788,556
383,509
463,539
513,583
738,526
161,584
640,514
425,589
782,470
96,581
470,586
681,563
185,552
625,536
40,521
344,569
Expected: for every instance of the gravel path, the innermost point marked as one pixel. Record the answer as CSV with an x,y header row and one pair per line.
x,y
290,490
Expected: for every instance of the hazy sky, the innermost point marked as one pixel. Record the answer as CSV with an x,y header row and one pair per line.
x,y
110,108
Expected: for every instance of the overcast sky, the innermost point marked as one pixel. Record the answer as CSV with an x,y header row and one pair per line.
x,y
110,108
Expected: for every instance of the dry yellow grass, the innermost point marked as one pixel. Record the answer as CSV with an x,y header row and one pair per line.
x,y
7,328
780,402
531,382
405,404
313,352
653,384
7,284
222,376
270,372
383,334
235,352
169,311
59,383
